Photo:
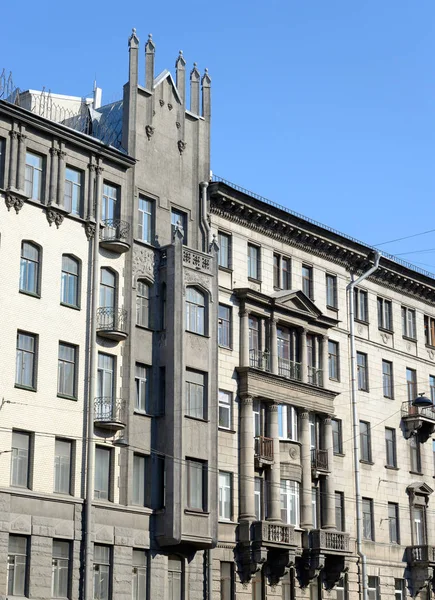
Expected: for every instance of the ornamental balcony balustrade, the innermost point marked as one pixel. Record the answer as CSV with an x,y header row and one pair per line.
x,y
289,369
418,418
115,235
259,360
112,323
329,542
319,459
420,555
426,412
315,376
110,413
263,450
273,535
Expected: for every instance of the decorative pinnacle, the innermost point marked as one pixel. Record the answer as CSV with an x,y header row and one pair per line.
x,y
194,73
180,62
150,47
133,38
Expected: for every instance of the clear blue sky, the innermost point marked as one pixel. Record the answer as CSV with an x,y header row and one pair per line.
x,y
324,106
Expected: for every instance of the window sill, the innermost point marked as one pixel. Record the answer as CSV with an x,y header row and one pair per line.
x,y
142,413
366,462
341,454
73,398
225,269
416,472
229,348
391,468
254,280
334,308
32,294
409,339
25,387
144,243
226,430
335,379
73,306
385,330
197,419
388,397
429,346
144,327
226,522
203,335
361,321
196,512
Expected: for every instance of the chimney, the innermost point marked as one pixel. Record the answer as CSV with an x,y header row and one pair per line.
x,y
149,62
206,96
180,66
133,68
194,90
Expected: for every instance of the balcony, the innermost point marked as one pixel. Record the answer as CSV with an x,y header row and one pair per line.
x,y
263,450
329,542
115,235
259,360
417,418
420,555
109,413
289,369
112,323
273,535
319,460
315,376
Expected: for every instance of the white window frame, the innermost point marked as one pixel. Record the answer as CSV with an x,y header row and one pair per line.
x,y
103,473
72,198
287,422
224,258
70,281
109,204
196,488
21,459
60,565
63,456
373,588
225,495
258,498
102,569
289,496
225,408
67,370
331,291
17,566
142,382
361,305
254,261
139,575
195,311
367,515
143,303
30,268
26,360
145,222
196,394
33,176
408,323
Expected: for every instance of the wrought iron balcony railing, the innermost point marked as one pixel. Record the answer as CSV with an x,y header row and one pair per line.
x,y
319,459
408,410
263,448
259,360
109,413
115,235
112,322
289,368
332,541
315,376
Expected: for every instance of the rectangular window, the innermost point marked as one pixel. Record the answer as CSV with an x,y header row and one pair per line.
x,y
102,487
307,281
109,205
393,520
385,314
276,271
411,382
175,578
142,381
73,195
339,511
66,370
331,291
253,262
179,219
281,272
139,466
415,454
139,575
227,581
105,380
224,326
196,398
33,176
399,589
17,566
341,589
333,360
337,438
62,466
361,305
20,462
365,441
2,162
387,379
224,241
196,485
408,323
225,406
432,388
429,330
390,447
60,573
145,222
25,374
367,512
258,498
102,572
363,380
225,496
287,422
315,507
289,493
373,588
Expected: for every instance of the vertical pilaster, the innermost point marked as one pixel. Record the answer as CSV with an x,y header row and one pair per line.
x,y
244,338
304,357
273,346
306,509
21,157
325,360
180,66
13,159
91,191
194,90
274,513
247,470
150,50
329,483
53,174
61,175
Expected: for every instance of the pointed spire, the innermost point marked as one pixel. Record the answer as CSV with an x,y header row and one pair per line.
x,y
150,50
194,89
133,40
206,95
180,66
133,48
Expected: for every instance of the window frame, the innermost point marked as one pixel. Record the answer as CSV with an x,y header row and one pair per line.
x,y
331,279
15,553
15,460
225,406
282,276
66,277
387,380
143,313
341,507
110,202
34,364
254,262
373,589
78,211
288,426
409,330
337,436
202,466
102,562
290,491
365,434
56,557
331,360
225,326
108,475
361,305
362,372
415,454
146,216
227,580
58,466
41,173
74,363
368,503
25,263
139,491
393,523
140,570
196,377
225,498
411,384
183,222
196,314
173,569
385,314
225,259
390,448
143,388
307,280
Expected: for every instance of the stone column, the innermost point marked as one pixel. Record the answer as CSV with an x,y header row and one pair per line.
x,y
13,160
247,470
21,158
61,176
325,360
306,509
53,174
244,338
304,357
273,346
329,483
275,470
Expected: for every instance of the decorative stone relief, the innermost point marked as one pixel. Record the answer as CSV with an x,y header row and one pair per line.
x,y
293,453
161,102
431,354
384,338
89,229
144,263
54,216
14,200
181,146
192,277
178,124
170,107
360,329
149,131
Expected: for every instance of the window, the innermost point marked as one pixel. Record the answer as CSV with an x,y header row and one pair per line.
x,y
315,507
139,575
179,219
367,512
33,176
62,466
196,484
20,462
25,373
415,454
224,241
337,438
253,262
142,304
289,493
225,496
159,486
399,589
195,311
69,286
142,381
103,466
287,422
109,205
105,385
390,444
429,330
102,572
365,441
66,370
175,578
418,525
258,498
411,381
281,272
339,511
17,566
2,162
73,196
393,520
408,323
224,326
253,334
385,314
373,588
333,360
227,581
361,305
307,281
108,290
331,291
196,405
363,382
387,379
145,222
225,405
139,465
30,268
60,573
341,589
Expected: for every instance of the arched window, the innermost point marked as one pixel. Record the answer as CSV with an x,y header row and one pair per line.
x,y
30,268
195,311
69,288
143,304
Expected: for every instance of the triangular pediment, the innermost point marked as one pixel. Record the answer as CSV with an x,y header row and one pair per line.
x,y
296,300
417,487
166,76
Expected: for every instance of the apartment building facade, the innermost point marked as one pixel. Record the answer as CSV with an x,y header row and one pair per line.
x,y
193,439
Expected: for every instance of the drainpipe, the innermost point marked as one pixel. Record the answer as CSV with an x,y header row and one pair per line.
x,y
91,395
204,186
355,424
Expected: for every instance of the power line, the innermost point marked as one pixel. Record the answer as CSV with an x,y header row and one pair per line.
x,y
406,237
